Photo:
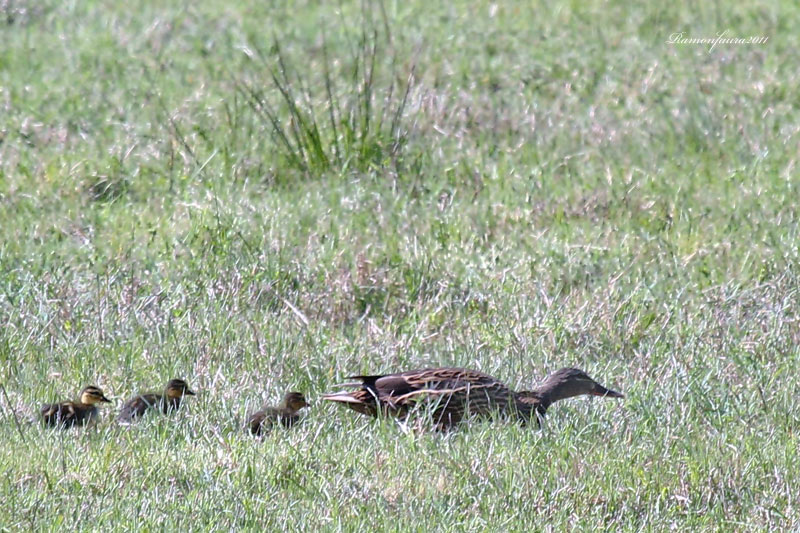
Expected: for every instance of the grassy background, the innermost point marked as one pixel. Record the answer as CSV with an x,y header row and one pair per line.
x,y
562,187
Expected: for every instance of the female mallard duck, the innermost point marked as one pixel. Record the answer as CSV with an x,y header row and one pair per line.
x,y
70,413
454,392
285,413
168,401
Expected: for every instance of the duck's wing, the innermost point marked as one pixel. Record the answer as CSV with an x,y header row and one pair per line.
x,y
60,414
262,421
397,392
403,383
255,422
362,401
137,406
435,382
48,410
370,394
401,390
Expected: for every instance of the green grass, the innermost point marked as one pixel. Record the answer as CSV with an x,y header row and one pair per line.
x,y
558,186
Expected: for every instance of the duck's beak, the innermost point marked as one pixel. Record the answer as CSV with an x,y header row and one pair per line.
x,y
104,399
187,392
599,390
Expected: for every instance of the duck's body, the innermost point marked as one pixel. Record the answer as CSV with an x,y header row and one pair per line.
x,y
166,402
448,391
71,413
286,414
452,393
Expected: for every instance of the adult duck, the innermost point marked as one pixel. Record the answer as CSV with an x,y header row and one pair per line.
x,y
453,393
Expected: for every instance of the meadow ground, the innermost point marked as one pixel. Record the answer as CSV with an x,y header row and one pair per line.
x,y
264,196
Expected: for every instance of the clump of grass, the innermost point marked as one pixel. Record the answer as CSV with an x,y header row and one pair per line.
x,y
105,188
358,122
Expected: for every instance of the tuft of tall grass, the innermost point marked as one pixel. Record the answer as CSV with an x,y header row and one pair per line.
x,y
355,118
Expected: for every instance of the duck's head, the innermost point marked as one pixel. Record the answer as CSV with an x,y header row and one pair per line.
x,y
569,382
92,395
177,388
295,401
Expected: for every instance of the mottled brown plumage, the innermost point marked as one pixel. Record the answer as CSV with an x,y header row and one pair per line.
x,y
285,413
452,393
70,413
166,402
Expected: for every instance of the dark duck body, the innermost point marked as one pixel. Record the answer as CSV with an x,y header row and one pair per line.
x,y
71,413
285,414
166,402
453,393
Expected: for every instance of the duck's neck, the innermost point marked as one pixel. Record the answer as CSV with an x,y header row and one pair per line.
x,y
543,396
172,402
529,403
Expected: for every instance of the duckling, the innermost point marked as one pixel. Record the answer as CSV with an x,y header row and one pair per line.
x,y
167,402
69,413
286,413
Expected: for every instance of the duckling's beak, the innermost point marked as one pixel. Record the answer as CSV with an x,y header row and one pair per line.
x,y
104,399
599,390
187,392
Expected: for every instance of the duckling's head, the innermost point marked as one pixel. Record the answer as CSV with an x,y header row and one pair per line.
x,y
92,395
177,388
295,401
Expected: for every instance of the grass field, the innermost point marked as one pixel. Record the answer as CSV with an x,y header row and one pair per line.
x,y
269,196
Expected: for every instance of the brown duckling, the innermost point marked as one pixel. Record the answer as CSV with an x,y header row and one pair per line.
x,y
285,413
166,402
454,392
70,413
